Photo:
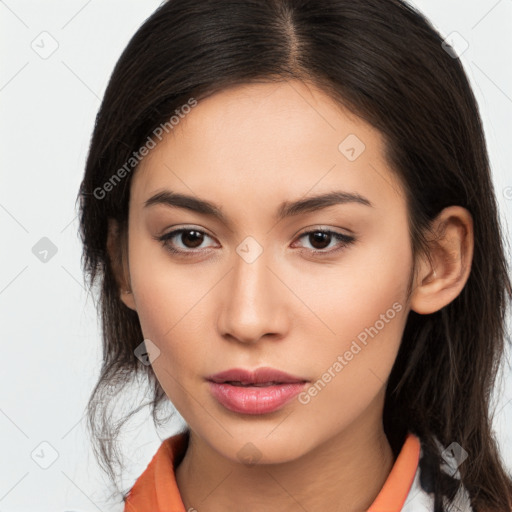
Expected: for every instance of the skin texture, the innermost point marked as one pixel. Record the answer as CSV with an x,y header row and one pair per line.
x,y
248,149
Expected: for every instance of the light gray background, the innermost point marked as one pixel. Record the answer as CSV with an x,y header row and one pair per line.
x,y
50,335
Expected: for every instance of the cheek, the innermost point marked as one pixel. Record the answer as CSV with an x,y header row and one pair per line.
x,y
352,367
165,292
363,310
172,306
351,295
172,322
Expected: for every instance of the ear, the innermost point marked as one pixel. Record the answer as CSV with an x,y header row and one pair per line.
x,y
442,275
117,249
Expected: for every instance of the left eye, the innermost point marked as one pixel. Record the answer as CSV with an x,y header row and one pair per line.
x,y
191,239
320,239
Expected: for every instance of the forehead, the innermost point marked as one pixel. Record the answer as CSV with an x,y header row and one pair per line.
x,y
277,138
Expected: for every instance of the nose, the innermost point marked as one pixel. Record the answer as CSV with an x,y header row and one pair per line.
x,y
254,302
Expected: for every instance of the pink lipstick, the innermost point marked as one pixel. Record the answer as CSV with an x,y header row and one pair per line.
x,y
263,391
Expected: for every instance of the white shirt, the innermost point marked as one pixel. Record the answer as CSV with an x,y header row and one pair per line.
x,y
418,500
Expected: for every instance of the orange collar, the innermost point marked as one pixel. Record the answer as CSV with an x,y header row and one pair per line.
x,y
393,494
156,489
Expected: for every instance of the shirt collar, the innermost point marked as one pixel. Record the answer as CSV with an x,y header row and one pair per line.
x,y
156,489
393,494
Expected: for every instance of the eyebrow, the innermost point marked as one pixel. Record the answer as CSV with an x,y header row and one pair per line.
x,y
286,209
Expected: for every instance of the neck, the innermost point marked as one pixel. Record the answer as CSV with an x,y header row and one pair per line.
x,y
344,473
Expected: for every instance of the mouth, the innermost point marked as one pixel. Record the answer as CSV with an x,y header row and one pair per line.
x,y
263,391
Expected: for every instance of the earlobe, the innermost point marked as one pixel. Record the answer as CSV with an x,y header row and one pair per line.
x,y
118,255
441,277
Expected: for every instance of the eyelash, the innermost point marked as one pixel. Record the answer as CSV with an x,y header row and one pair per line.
x,y
344,241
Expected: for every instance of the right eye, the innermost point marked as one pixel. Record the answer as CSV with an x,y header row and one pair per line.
x,y
189,238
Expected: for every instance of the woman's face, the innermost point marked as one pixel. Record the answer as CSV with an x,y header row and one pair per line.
x,y
247,289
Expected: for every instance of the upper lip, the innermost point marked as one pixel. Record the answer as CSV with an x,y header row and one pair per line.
x,y
258,376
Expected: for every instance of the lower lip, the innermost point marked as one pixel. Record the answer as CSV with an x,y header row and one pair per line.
x,y
255,400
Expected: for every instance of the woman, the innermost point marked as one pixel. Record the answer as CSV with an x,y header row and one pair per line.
x,y
289,209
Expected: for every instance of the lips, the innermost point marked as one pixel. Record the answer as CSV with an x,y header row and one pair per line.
x,y
263,391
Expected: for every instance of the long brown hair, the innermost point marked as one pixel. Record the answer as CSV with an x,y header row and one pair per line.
x,y
385,62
